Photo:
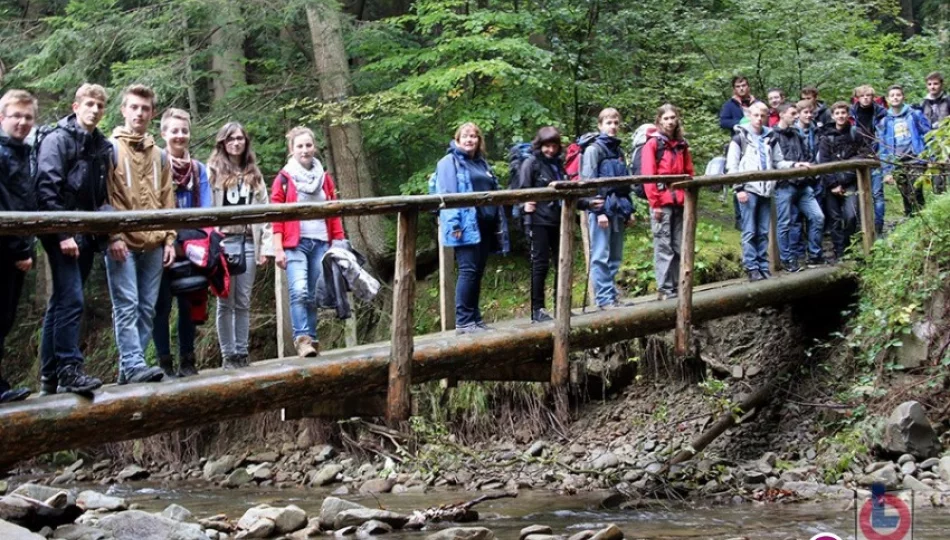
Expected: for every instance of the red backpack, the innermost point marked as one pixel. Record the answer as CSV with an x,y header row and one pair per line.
x,y
572,160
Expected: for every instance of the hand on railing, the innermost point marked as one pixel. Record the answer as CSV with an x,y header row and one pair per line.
x,y
529,207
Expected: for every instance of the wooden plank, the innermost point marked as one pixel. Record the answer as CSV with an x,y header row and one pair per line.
x,y
285,331
372,405
684,310
866,209
560,360
591,298
40,425
773,175
403,325
446,285
775,258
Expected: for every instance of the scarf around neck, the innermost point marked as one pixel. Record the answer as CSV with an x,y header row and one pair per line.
x,y
184,172
307,181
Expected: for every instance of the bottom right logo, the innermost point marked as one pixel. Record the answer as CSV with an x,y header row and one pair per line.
x,y
885,515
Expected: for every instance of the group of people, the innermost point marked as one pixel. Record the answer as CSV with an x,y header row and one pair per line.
x,y
781,135
75,166
777,135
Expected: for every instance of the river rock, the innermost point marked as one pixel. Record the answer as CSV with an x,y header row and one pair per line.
x,y
345,531
9,531
92,500
138,525
65,478
463,533
929,463
377,485
133,472
885,475
910,482
217,467
285,520
359,516
905,458
536,449
604,461
323,453
332,506
238,478
260,528
43,493
909,468
611,532
908,431
534,529
583,535
373,527
752,478
80,532
326,475
178,513
263,457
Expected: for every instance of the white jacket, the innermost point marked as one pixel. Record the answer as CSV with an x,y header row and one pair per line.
x,y
739,160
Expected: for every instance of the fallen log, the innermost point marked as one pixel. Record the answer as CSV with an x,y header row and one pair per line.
x,y
460,512
116,413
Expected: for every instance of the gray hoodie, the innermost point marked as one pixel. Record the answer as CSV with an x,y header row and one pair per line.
x,y
750,159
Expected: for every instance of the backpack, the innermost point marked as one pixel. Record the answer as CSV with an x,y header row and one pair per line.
x,y
640,138
517,155
575,151
42,132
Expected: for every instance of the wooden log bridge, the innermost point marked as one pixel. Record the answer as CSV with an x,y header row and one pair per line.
x,y
515,351
365,380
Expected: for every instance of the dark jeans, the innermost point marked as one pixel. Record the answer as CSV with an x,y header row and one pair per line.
x,y
60,345
163,310
468,286
912,194
843,216
544,242
11,285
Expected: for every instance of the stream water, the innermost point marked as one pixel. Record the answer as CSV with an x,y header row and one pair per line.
x,y
565,514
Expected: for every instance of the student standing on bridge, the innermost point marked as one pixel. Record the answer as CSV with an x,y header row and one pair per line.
x,y
865,115
609,211
142,180
473,232
73,164
752,150
936,108
542,221
299,246
666,152
17,193
901,135
796,193
236,180
840,143
190,179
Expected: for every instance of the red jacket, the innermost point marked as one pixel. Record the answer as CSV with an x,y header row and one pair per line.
x,y
774,117
675,160
290,230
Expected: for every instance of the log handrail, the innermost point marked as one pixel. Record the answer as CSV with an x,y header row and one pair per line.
x,y
775,175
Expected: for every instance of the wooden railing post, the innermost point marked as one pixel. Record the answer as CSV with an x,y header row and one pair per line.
x,y
866,208
585,242
446,283
684,311
399,405
560,370
775,257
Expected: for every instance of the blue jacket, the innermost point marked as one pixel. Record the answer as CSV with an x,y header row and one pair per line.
x,y
184,198
918,125
453,176
731,113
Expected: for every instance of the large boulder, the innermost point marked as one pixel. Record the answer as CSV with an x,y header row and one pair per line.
x,y
9,531
908,431
93,500
286,520
43,493
217,467
80,532
326,475
463,533
332,506
138,525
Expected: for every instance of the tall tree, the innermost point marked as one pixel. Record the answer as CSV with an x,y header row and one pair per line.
x,y
227,45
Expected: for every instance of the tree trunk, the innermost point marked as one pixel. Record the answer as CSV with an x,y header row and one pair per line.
x,y
227,45
367,233
907,13
189,74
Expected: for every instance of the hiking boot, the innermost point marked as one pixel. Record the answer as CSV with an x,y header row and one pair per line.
x,y
74,379
539,315
8,394
304,347
141,374
48,385
186,367
243,360
755,275
666,295
473,328
815,262
167,364
791,267
231,361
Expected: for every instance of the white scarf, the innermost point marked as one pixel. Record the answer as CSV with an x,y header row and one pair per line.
x,y
307,181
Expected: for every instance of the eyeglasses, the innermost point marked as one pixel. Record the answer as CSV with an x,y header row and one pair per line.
x,y
20,116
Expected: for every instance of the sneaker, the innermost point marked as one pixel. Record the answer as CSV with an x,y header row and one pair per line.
x,y
473,328
9,395
815,262
539,315
483,326
48,385
304,347
167,363
766,274
791,266
74,379
186,367
243,360
755,275
666,295
141,374
231,361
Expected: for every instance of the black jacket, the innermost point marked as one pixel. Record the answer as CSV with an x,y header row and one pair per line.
x,y
72,169
936,109
17,193
537,172
792,143
839,145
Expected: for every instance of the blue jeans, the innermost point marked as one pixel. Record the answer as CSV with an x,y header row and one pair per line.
x,y
304,270
606,253
133,286
59,347
802,198
756,214
471,261
163,311
877,194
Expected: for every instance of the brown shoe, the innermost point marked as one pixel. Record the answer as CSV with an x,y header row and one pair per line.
x,y
304,346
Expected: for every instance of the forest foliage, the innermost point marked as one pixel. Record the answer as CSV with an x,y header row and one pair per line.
x,y
419,68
